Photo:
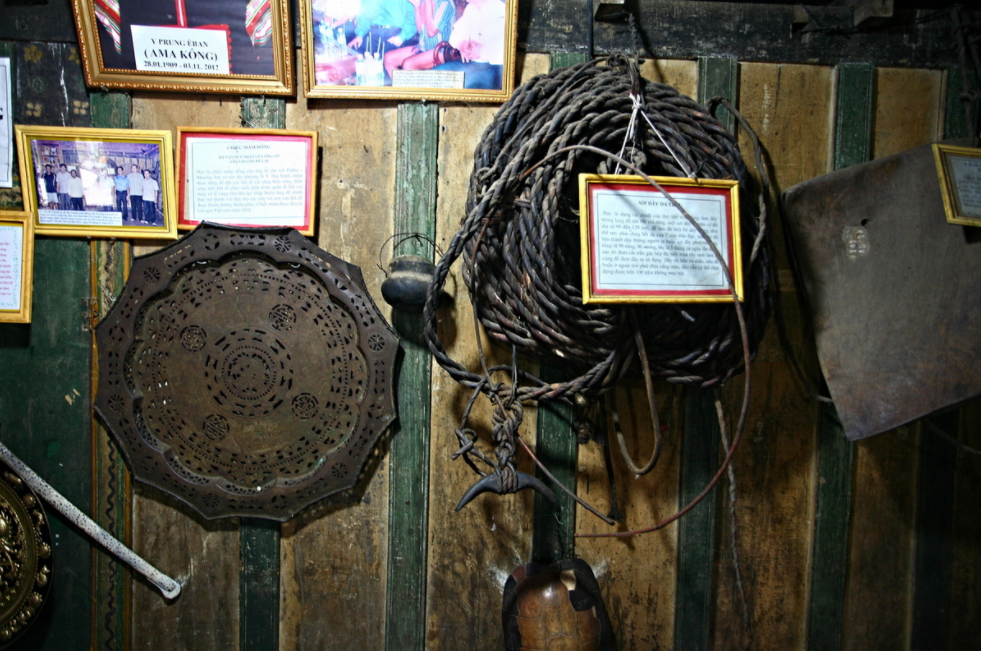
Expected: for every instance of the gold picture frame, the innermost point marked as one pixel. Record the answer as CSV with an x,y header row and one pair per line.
x,y
16,266
959,171
637,247
263,167
203,46
467,54
72,186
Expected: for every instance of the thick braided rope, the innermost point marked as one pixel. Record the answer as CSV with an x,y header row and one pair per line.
x,y
520,239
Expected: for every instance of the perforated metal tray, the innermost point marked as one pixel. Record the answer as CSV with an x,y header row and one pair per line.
x,y
246,372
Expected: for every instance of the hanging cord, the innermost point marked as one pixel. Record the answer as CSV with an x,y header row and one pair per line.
x,y
933,429
733,522
762,165
744,409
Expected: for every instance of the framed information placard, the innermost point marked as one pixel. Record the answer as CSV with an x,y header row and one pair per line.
x,y
637,247
247,177
959,169
16,266
98,182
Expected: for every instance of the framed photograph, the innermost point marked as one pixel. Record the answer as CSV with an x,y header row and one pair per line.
x,y
460,50
959,169
98,182
247,177
208,46
637,247
16,266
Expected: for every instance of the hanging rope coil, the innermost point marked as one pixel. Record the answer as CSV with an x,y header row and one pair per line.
x,y
520,239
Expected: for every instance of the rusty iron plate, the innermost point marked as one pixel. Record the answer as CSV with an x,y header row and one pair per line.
x,y
25,556
893,289
246,372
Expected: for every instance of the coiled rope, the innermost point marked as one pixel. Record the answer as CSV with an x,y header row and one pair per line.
x,y
521,249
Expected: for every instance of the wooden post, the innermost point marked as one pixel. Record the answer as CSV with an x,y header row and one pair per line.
x,y
553,536
408,525
835,454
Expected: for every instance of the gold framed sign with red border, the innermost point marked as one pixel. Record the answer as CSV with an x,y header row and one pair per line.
x,y
637,247
16,266
246,177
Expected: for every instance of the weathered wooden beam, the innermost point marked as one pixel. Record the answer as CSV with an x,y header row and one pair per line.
x,y
554,527
678,29
835,454
408,523
45,392
696,531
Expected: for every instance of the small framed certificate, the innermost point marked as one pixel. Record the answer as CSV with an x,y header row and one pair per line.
x,y
16,266
246,177
637,247
959,169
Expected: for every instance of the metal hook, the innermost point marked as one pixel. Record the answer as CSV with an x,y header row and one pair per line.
x,y
492,483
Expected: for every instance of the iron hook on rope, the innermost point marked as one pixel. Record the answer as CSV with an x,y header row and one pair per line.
x,y
492,483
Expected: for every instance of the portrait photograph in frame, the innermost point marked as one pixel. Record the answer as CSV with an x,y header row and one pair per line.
x,y
98,182
247,177
458,50
214,46
16,266
637,247
959,171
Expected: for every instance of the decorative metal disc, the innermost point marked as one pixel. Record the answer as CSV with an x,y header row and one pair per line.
x,y
25,556
246,371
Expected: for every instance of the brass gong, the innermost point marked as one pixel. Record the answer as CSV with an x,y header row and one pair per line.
x,y
246,371
25,556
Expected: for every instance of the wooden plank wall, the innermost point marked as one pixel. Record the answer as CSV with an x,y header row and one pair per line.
x,y
343,581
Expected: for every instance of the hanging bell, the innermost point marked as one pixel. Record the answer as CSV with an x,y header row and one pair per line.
x,y
408,280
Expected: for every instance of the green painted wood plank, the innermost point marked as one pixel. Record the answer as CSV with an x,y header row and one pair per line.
x,y
955,117
835,454
259,585
854,111
259,539
111,494
718,77
696,531
700,446
45,394
563,59
408,514
554,526
835,459
934,524
263,113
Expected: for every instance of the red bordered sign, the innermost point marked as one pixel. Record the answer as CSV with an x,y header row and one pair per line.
x,y
246,177
637,247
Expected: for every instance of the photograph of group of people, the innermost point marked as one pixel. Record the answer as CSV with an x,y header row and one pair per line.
x,y
121,180
376,42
